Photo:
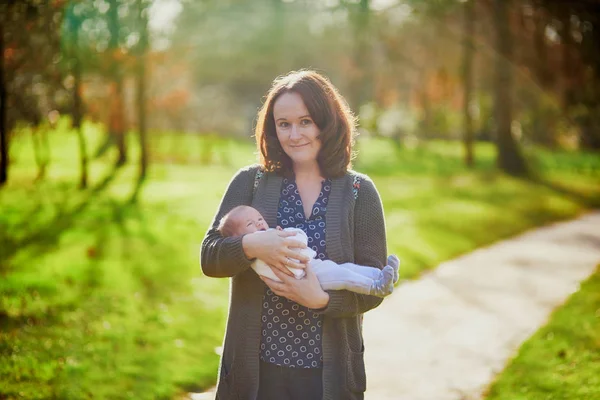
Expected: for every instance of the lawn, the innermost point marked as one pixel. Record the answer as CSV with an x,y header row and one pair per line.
x,y
562,360
101,297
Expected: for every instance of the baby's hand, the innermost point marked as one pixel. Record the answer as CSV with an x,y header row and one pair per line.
x,y
279,228
276,249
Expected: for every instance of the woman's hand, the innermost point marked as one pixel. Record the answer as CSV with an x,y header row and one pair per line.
x,y
275,249
306,291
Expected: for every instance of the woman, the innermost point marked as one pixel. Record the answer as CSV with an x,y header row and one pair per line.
x,y
291,339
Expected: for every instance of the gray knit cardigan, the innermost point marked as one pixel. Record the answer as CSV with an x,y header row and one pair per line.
x,y
355,233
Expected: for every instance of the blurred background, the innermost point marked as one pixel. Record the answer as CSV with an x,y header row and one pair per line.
x,y
122,121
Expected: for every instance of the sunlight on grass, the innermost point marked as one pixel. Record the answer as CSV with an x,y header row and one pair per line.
x,y
103,297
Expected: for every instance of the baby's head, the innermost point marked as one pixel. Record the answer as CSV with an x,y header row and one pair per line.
x,y
242,220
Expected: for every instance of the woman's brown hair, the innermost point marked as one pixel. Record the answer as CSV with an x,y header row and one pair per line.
x,y
328,110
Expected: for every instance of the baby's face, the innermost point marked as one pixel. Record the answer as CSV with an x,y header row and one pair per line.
x,y
249,220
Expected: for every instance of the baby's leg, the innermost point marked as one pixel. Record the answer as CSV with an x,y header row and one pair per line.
x,y
332,277
369,272
374,273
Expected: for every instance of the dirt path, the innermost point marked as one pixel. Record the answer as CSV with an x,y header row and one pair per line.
x,y
447,334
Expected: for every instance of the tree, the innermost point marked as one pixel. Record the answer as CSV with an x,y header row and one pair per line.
x,y
116,123
467,75
540,61
31,77
509,157
581,89
257,41
361,87
3,127
559,42
141,90
73,22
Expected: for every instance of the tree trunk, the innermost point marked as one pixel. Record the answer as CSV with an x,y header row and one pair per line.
x,y
117,114
589,96
3,124
540,61
278,29
425,123
119,122
568,44
77,114
467,73
542,132
509,157
141,92
41,149
361,86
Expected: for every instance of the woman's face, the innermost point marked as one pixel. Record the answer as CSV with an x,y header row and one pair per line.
x,y
296,131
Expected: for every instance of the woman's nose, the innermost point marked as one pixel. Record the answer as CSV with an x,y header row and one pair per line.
x,y
295,132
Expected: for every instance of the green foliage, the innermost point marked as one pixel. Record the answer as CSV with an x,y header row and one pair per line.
x,y
258,41
104,298
562,360
31,74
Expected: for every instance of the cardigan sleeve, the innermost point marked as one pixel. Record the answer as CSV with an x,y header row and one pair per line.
x,y
369,249
224,256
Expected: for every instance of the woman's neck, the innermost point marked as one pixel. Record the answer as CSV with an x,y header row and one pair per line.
x,y
307,171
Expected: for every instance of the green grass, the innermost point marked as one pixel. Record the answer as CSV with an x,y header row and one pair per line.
x,y
436,209
101,297
562,360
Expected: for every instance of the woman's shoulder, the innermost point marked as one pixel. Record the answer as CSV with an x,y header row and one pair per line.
x,y
252,168
244,176
360,182
353,175
247,171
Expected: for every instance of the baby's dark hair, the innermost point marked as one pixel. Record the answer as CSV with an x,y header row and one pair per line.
x,y
227,225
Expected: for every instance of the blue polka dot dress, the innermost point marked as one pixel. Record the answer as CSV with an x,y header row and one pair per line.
x,y
291,333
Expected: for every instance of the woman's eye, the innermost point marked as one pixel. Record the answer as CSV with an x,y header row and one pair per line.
x,y
283,124
306,122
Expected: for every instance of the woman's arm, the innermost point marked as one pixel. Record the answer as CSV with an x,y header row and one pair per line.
x,y
369,249
224,257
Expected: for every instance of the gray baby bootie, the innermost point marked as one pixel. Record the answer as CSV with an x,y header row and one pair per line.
x,y
384,286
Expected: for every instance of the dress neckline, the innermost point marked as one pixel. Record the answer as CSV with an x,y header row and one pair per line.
x,y
318,208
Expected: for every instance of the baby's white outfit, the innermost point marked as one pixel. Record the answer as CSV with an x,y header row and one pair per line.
x,y
331,276
263,269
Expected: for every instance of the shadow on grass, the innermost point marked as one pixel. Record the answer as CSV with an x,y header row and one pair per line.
x,y
591,200
137,189
47,236
506,211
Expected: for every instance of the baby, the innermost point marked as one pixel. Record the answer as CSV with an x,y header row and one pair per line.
x,y
331,276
